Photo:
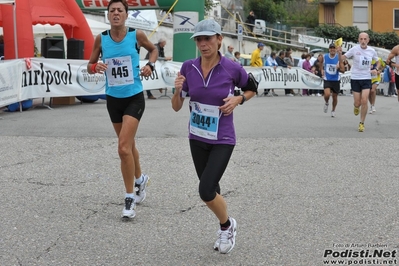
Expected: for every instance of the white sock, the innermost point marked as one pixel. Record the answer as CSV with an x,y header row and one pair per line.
x,y
140,180
129,195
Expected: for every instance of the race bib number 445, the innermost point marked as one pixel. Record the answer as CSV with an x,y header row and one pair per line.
x,y
204,120
119,71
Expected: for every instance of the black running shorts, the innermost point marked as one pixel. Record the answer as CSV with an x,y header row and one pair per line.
x,y
358,85
335,85
118,107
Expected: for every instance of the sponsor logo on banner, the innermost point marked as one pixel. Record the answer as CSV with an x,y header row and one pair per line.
x,y
42,76
312,81
280,75
184,22
90,82
169,73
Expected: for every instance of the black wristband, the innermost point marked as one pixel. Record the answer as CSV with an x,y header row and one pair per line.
x,y
243,99
151,64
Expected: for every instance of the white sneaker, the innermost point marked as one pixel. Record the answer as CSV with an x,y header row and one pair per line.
x,y
140,189
325,107
128,210
318,95
226,238
332,114
373,108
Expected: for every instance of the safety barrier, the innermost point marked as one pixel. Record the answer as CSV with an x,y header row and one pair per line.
x,y
44,77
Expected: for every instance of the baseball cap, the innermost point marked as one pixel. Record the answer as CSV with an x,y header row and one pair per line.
x,y
261,44
332,45
207,27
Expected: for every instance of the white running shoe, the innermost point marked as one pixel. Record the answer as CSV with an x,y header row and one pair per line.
x,y
128,210
140,189
332,113
373,108
217,243
325,107
226,238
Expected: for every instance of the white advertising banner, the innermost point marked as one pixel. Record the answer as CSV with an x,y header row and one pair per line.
x,y
10,81
61,78
58,78
325,42
139,19
294,78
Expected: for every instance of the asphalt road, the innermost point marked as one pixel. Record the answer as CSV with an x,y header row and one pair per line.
x,y
303,187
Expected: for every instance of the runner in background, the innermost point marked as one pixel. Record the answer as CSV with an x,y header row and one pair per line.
x,y
332,65
361,72
375,81
395,65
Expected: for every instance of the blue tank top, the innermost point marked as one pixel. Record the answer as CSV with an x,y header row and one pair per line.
x,y
123,59
330,67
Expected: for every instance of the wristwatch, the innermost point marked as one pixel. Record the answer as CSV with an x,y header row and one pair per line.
x,y
243,98
152,65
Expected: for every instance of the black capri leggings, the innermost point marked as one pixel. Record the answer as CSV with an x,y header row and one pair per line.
x,y
210,162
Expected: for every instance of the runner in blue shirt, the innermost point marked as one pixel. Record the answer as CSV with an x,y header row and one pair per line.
x,y
119,48
332,65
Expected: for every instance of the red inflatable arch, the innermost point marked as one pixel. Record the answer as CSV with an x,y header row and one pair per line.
x,y
66,13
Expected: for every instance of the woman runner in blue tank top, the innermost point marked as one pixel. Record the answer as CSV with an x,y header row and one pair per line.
x,y
119,48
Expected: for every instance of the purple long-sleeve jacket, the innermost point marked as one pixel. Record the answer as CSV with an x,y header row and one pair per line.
x,y
307,66
218,85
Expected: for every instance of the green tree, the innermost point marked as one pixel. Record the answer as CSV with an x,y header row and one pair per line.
x,y
302,13
350,34
208,5
291,12
268,10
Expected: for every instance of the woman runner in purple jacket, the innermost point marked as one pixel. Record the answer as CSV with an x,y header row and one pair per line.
x,y
210,80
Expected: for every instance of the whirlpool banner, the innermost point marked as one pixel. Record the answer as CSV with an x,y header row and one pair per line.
x,y
42,77
10,81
